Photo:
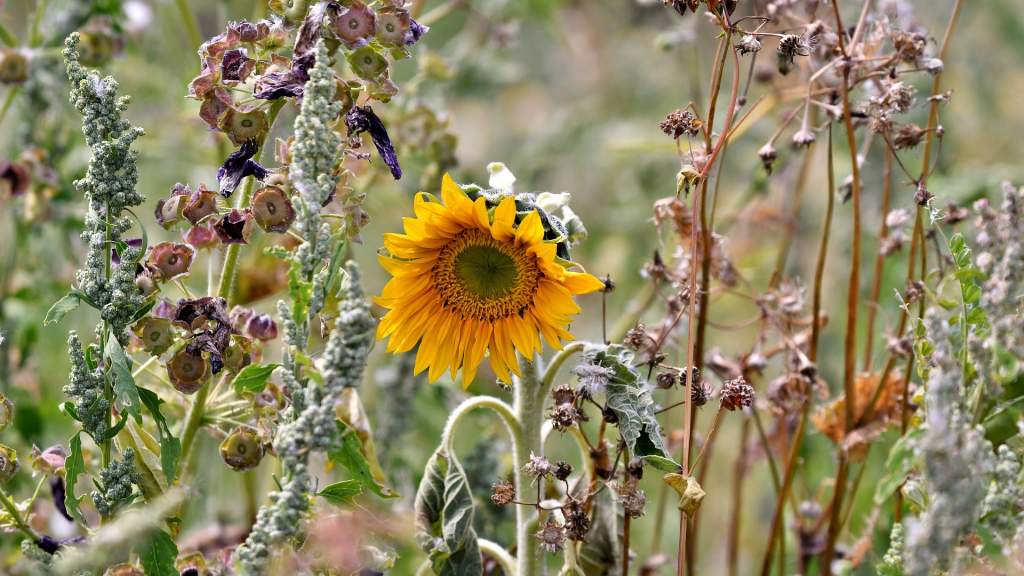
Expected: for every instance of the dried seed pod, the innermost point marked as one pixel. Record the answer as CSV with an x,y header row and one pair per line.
x,y
393,26
355,24
242,126
49,461
9,464
242,450
171,261
6,412
273,210
13,67
238,354
202,204
737,394
169,211
155,333
562,470
188,372
235,227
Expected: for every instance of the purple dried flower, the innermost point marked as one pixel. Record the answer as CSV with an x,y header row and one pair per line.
x,y
416,30
236,67
239,165
235,227
362,119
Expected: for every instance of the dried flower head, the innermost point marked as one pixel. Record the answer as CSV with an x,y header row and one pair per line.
x,y
634,501
272,210
679,124
170,261
737,394
793,45
562,470
635,336
749,44
700,393
504,491
538,466
551,536
577,523
609,284
768,155
234,227
201,205
593,379
666,380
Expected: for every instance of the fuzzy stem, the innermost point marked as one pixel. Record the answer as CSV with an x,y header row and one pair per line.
x,y
496,551
528,406
500,407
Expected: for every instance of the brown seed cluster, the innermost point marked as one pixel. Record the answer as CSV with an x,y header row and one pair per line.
x,y
737,394
679,124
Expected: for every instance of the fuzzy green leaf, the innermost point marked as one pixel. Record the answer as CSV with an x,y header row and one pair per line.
x,y
342,493
74,465
444,519
629,399
346,451
60,309
253,378
124,384
157,555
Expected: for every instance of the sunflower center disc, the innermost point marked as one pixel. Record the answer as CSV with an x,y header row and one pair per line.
x,y
484,278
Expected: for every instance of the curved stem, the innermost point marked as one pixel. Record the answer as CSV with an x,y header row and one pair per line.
x,y
551,372
500,407
494,550
189,19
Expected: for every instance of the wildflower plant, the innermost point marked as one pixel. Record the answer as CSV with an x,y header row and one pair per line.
x,y
706,349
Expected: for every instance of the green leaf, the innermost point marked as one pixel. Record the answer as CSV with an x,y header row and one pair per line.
x,y
58,311
74,465
629,399
899,464
602,552
444,519
142,311
341,493
333,269
300,292
124,384
157,555
346,451
253,378
170,447
68,408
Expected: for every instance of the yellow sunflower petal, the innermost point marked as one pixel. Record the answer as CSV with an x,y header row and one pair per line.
x,y
456,200
504,220
581,283
483,221
498,363
530,231
405,268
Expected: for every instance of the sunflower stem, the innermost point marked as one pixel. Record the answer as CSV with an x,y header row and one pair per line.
x,y
500,407
528,405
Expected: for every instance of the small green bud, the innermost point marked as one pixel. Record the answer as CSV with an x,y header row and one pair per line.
x,y
9,464
242,450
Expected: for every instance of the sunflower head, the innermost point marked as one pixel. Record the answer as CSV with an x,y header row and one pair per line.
x,y
478,271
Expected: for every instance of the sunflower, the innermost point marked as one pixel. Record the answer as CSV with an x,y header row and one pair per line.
x,y
467,279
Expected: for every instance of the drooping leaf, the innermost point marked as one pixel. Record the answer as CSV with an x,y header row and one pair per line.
x,y
342,493
346,450
629,399
444,519
170,447
60,309
253,378
899,464
124,384
157,555
75,465
147,459
602,552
